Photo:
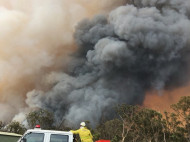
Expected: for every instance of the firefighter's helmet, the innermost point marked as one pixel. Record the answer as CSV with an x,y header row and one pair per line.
x,y
82,124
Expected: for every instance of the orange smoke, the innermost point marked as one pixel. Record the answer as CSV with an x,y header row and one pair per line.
x,y
162,102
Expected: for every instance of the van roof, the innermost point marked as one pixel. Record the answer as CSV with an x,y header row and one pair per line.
x,y
49,131
10,134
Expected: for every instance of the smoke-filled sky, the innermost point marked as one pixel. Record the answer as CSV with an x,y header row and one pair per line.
x,y
80,58
36,38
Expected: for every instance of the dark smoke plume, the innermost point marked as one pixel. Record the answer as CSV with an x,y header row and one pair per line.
x,y
139,47
36,38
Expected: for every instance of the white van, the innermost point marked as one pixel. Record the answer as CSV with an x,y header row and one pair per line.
x,y
38,135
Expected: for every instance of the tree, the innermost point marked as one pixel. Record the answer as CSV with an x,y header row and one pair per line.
x,y
15,127
109,130
137,124
42,117
1,125
149,125
182,112
127,114
140,124
173,130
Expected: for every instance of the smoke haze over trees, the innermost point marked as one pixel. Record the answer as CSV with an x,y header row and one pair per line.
x,y
133,123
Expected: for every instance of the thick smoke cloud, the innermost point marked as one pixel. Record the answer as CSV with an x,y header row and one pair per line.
x,y
36,37
138,47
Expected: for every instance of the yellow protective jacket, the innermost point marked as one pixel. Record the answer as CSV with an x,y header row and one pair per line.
x,y
84,133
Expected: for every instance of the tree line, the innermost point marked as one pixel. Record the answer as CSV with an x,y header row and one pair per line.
x,y
132,124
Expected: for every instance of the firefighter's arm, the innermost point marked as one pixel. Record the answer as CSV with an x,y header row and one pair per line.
x,y
75,132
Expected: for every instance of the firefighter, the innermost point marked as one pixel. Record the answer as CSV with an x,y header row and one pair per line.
x,y
84,134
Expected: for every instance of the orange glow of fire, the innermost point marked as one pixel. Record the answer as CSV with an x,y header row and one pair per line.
x,y
163,102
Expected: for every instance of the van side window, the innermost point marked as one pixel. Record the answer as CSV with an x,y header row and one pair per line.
x,y
34,137
58,138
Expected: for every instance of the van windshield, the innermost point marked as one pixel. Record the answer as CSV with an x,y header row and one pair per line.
x,y
34,137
